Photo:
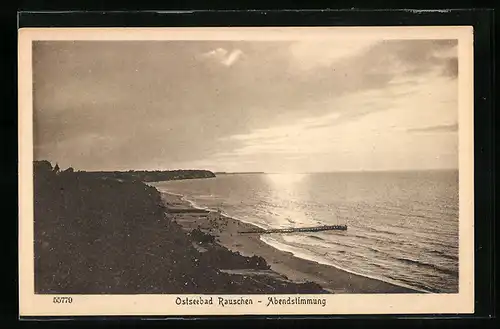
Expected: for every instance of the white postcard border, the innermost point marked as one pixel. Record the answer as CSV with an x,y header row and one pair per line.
x,y
32,304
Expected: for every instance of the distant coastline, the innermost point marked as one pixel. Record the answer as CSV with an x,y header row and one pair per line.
x,y
239,173
152,176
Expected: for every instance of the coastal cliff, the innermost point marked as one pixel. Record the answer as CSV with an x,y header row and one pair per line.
x,y
102,233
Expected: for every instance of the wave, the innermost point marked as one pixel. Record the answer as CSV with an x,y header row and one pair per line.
x,y
299,253
427,265
283,247
397,242
445,255
316,237
379,231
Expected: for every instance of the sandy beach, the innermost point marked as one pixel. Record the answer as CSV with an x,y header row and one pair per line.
x,y
226,232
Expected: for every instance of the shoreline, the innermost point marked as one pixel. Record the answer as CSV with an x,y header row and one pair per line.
x,y
225,230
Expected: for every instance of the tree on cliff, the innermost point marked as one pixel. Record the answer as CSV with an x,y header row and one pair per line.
x,y
42,166
42,170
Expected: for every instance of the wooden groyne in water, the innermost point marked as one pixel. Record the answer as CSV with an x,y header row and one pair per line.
x,y
299,229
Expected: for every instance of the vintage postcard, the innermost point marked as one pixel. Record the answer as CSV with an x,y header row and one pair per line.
x,y
246,171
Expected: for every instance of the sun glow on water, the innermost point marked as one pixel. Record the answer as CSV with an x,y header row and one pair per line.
x,y
286,179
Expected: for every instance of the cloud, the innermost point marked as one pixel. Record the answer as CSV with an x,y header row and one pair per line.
x,y
451,67
437,129
446,50
223,56
232,57
312,54
400,57
379,133
217,53
173,102
296,129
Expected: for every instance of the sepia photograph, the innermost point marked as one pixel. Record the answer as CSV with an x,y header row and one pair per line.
x,y
246,171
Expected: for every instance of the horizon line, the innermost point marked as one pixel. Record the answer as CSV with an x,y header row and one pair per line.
x,y
284,172
263,172
335,171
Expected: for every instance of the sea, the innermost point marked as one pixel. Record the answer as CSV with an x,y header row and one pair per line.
x,y
402,226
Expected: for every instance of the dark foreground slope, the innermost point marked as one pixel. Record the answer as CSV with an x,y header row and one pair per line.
x,y
96,235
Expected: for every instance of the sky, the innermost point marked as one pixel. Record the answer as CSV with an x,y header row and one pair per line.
x,y
272,106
